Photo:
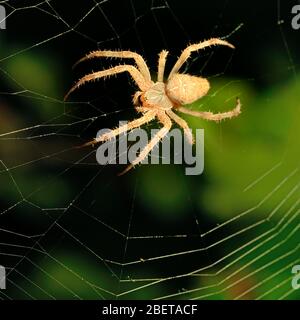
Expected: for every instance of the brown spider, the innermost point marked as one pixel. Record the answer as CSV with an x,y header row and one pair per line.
x,y
157,99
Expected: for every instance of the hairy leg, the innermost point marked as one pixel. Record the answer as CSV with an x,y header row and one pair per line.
x,y
195,47
214,116
167,124
134,72
161,65
147,117
140,62
182,123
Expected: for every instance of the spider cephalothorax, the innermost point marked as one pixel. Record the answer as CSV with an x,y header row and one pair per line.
x,y
159,99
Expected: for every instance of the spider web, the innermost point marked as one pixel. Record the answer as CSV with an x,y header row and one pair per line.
x,y
73,229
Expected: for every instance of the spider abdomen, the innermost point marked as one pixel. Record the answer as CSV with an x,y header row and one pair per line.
x,y
185,89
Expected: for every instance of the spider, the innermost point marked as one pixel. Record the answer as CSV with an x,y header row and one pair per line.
x,y
161,98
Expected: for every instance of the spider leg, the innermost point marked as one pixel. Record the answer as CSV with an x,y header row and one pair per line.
x,y
140,62
146,117
161,65
214,116
182,123
167,124
134,72
195,47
